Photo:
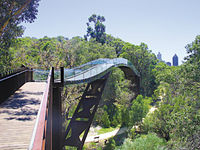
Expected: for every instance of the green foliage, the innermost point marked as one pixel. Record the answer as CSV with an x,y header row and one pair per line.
x,y
105,130
193,49
117,94
117,43
46,52
98,31
148,123
12,13
177,117
117,89
125,117
105,118
176,120
110,145
132,133
144,61
145,142
139,109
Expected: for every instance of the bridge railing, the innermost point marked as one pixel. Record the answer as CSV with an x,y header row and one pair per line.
x,y
13,80
42,134
10,72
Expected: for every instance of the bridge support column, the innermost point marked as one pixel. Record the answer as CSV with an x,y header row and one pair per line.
x,y
84,114
57,113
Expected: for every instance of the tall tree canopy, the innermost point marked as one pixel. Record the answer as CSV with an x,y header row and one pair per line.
x,y
12,13
98,31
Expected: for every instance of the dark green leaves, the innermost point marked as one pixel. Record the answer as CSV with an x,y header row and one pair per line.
x,y
98,30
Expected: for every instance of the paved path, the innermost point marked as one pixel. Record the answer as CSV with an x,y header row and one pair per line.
x,y
18,114
107,135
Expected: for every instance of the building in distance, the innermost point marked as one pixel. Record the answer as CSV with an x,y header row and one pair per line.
x,y
159,56
175,60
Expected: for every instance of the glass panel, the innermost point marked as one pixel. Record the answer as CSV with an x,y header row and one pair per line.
x,y
86,72
94,68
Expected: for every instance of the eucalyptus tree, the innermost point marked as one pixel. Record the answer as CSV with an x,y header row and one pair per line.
x,y
98,29
12,13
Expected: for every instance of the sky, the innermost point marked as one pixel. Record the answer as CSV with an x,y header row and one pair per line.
x,y
166,26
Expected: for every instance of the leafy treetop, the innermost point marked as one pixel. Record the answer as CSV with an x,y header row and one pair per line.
x,y
98,31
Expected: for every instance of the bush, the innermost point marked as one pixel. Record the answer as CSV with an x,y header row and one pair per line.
x,y
147,124
139,109
146,142
125,118
105,120
177,121
110,145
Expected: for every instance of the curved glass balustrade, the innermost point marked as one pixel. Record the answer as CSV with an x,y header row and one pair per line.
x,y
87,72
95,69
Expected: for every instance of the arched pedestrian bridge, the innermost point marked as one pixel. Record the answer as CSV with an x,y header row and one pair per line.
x,y
31,112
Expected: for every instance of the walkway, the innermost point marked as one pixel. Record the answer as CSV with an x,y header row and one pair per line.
x,y
107,135
18,115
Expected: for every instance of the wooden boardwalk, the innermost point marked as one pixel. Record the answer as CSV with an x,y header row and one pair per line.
x,y
18,115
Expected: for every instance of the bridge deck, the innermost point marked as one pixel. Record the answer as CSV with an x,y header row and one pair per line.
x,y
18,115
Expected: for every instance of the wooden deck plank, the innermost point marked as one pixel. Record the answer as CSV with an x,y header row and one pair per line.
x,y
18,115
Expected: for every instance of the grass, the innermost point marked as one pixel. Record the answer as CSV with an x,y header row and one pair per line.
x,y
105,130
102,131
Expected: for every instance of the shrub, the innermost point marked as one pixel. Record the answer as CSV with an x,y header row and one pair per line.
x,y
139,109
110,145
105,120
125,118
146,142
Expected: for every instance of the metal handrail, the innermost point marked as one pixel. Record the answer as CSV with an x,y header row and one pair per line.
x,y
42,134
13,81
14,75
11,72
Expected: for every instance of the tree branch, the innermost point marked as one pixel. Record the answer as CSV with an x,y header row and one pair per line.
x,y
17,13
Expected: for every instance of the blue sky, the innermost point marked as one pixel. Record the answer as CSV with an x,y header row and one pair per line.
x,y
166,26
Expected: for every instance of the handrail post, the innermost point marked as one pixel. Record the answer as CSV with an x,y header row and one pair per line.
x,y
31,75
62,75
57,111
52,75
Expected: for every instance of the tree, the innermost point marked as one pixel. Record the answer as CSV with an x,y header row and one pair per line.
x,y
125,117
12,13
193,49
193,59
98,31
105,120
117,43
144,61
177,117
139,109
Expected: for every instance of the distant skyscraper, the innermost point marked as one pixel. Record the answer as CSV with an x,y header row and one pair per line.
x,y
175,60
168,63
159,56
